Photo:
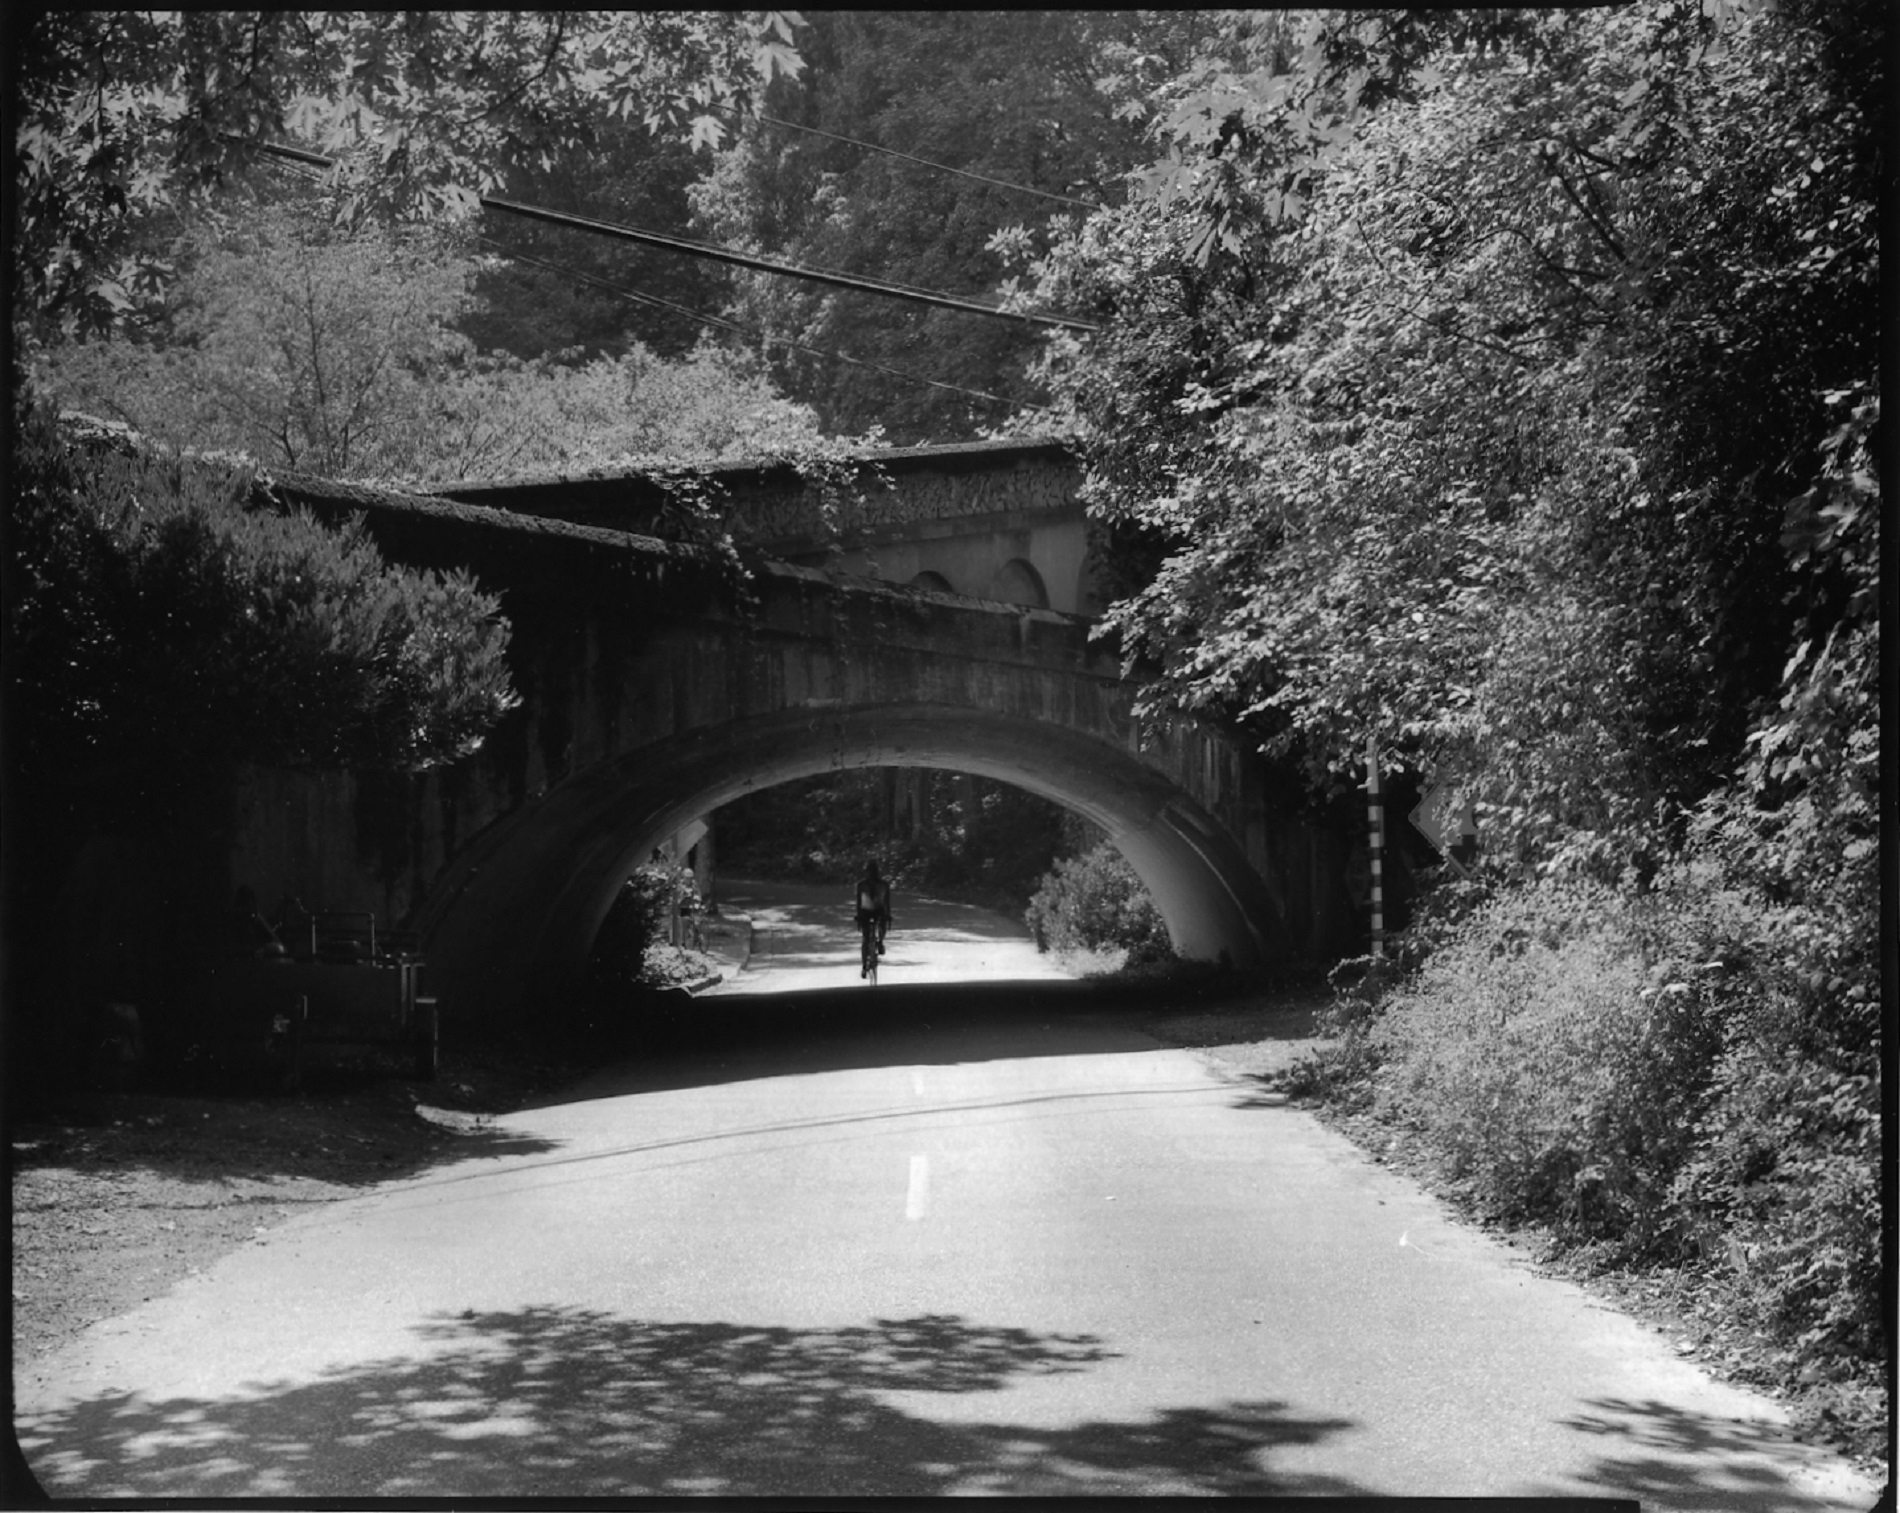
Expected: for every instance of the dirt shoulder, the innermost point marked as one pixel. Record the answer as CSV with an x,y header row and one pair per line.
x,y
119,1196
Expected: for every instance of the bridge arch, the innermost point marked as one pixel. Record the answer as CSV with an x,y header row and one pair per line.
x,y
520,917
655,686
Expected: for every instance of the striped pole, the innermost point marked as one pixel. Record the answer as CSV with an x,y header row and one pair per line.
x,y
1375,836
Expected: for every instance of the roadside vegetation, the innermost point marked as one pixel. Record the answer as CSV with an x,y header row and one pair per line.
x,y
654,935
1094,914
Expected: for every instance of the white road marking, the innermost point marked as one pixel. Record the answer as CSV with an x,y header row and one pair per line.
x,y
917,1080
918,1199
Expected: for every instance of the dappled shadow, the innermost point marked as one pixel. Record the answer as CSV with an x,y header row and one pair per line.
x,y
567,1402
1665,1456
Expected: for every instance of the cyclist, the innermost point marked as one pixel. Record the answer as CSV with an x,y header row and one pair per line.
x,y
874,907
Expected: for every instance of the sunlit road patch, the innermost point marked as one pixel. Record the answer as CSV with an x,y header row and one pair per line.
x,y
804,939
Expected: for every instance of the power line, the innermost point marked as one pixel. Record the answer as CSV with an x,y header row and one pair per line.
x,y
754,334
772,265
313,159
909,157
690,248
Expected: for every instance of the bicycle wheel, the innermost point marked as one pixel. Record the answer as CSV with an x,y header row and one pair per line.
x,y
868,951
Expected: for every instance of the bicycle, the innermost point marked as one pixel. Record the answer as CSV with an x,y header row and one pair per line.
x,y
869,952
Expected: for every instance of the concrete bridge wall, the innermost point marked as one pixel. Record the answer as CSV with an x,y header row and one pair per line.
x,y
655,691
983,519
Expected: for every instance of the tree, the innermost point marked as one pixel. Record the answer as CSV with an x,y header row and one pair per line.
x,y
1503,387
1496,381
500,417
286,339
1024,98
545,289
122,115
161,630
335,352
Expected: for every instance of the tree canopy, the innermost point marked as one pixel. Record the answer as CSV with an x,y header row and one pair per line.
x,y
1024,100
341,352
121,116
1474,372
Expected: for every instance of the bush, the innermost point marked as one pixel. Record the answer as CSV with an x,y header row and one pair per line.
x,y
1558,1069
157,612
1784,1188
1095,901
1689,1075
634,923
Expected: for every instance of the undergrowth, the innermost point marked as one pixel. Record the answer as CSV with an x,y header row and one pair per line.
x,y
1644,1081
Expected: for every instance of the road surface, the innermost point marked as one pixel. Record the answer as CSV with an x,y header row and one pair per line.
x,y
804,938
905,1240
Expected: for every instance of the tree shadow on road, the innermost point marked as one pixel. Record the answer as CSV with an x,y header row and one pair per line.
x,y
563,1402
1668,1457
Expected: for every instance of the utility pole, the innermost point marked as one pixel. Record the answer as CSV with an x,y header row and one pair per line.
x,y
1375,841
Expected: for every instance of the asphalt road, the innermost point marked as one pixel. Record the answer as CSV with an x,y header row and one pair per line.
x,y
804,939
961,1237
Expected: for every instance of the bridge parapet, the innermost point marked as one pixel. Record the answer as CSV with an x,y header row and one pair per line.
x,y
992,519
781,507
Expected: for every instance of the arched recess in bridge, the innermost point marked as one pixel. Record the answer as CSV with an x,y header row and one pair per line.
x,y
514,920
1018,582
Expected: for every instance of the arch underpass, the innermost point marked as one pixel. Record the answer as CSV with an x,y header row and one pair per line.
x,y
654,689
551,875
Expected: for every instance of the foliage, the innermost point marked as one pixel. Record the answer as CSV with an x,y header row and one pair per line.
x,y
1467,359
1557,1062
544,289
287,340
954,835
1093,901
1032,98
158,624
336,353
500,417
636,920
1501,386
125,115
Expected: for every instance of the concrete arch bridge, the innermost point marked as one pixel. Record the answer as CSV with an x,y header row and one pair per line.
x,y
655,688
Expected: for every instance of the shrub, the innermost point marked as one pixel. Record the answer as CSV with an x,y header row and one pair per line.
x,y
1094,901
159,613
1784,1187
1558,1070
633,924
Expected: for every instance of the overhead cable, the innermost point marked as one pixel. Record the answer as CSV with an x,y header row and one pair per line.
x,y
690,248
749,333
752,333
772,265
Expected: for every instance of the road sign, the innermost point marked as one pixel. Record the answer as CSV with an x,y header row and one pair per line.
x,y
1444,817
